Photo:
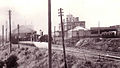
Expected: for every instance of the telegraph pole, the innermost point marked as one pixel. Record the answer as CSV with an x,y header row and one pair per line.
x,y
60,12
49,35
54,34
18,36
10,29
2,35
99,28
6,31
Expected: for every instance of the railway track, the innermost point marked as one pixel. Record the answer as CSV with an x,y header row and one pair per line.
x,y
96,55
79,52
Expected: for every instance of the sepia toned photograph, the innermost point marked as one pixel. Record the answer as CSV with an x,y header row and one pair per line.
x,y
59,34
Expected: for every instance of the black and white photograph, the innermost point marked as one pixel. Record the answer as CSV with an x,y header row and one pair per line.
x,y
59,33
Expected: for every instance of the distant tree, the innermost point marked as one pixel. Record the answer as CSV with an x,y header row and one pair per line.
x,y
11,62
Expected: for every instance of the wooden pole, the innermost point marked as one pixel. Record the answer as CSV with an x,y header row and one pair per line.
x,y
62,28
10,29
18,35
99,28
49,35
54,34
6,31
3,35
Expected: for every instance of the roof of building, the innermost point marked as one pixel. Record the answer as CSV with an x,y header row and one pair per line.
x,y
103,28
78,28
24,29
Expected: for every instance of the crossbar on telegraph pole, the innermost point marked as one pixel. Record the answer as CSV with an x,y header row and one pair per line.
x,y
10,29
49,35
62,36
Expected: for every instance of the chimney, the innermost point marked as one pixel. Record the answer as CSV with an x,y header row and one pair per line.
x,y
77,18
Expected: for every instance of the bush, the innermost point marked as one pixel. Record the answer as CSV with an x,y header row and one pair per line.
x,y
11,61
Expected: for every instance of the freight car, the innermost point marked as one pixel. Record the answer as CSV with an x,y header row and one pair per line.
x,y
110,34
43,38
106,32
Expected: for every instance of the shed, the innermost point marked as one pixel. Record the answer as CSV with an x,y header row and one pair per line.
x,y
26,33
77,31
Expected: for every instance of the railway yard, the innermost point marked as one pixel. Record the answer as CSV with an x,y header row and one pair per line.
x,y
87,53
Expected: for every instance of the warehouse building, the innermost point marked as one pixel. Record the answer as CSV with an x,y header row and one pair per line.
x,y
26,33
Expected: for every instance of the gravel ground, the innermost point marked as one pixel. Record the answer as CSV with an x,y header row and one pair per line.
x,y
33,57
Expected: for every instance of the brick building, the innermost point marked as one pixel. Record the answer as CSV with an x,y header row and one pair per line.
x,y
70,25
72,22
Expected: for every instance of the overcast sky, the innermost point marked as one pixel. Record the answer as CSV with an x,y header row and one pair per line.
x,y
34,12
